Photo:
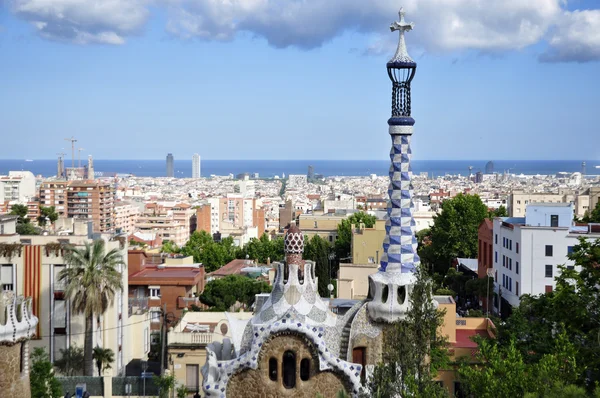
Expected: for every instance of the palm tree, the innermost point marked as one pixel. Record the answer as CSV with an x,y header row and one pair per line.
x,y
92,278
104,357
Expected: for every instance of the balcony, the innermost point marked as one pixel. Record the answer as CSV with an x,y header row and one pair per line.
x,y
138,305
185,302
177,338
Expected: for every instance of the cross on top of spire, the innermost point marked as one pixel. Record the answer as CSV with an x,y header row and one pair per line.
x,y
401,56
402,25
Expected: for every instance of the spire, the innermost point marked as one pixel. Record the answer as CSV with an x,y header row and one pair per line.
x,y
390,288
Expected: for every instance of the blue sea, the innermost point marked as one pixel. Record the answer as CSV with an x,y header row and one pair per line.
x,y
271,168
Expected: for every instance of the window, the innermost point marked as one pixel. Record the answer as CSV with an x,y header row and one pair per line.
x,y
155,316
7,287
330,238
548,289
517,247
289,369
503,242
569,249
548,250
273,369
510,284
510,264
517,267
570,267
518,202
304,369
154,292
554,220
510,244
496,257
496,239
548,270
517,288
191,377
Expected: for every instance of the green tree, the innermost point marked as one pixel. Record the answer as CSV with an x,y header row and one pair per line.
x,y
104,357
20,211
47,214
71,361
181,391
221,294
27,229
454,231
42,381
413,350
573,304
263,249
317,249
499,212
343,243
165,384
169,247
92,279
593,216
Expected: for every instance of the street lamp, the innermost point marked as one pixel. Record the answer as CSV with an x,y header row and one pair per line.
x,y
331,258
144,368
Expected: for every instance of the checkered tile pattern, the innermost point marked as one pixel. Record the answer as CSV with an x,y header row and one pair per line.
x,y
400,243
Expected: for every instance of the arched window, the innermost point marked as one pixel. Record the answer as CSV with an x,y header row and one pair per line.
x,y
289,369
304,369
273,369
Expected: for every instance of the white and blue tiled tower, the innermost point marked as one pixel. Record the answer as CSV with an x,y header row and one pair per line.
x,y
390,287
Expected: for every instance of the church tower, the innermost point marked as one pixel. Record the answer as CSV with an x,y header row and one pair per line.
x,y
390,288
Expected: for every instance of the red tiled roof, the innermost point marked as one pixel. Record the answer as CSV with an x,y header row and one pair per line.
x,y
232,268
167,276
463,337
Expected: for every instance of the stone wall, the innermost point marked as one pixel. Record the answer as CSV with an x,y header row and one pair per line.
x,y
256,382
13,382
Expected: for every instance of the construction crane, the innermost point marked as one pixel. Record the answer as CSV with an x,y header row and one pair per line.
x,y
73,141
79,157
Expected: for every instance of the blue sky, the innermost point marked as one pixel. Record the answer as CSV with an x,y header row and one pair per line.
x,y
273,79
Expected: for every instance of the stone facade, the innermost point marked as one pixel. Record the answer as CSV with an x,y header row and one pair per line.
x,y
257,383
14,372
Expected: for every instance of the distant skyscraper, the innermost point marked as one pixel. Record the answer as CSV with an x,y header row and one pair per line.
x,y
489,167
170,169
311,172
61,167
90,173
583,170
196,166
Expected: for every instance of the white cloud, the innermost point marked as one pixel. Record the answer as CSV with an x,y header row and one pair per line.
x,y
441,25
84,21
575,38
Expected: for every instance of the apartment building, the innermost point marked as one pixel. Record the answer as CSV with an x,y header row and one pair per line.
x,y
81,199
528,250
170,221
171,286
233,215
323,225
17,186
518,200
30,266
125,217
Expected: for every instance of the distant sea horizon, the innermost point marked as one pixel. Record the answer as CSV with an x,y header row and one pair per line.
x,y
327,168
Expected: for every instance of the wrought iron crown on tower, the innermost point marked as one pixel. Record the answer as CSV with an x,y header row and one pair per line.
x,y
401,70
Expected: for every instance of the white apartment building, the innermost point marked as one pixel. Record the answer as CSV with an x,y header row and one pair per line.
x,y
17,186
125,217
528,250
31,268
518,200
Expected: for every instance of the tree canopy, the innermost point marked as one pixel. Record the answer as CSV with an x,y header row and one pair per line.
x,y
318,249
263,249
413,351
343,243
47,214
593,216
222,294
454,232
42,381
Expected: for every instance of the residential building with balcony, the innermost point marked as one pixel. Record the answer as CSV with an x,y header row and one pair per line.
x,y
171,286
17,186
528,250
125,216
30,266
188,339
92,200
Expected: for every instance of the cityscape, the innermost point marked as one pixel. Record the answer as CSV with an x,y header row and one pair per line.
x,y
283,262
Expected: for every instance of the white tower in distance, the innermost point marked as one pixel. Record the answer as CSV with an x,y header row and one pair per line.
x,y
196,166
